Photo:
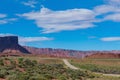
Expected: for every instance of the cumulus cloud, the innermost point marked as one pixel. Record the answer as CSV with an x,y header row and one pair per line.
x,y
110,39
55,21
30,3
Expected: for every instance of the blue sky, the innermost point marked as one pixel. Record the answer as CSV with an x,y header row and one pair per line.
x,y
67,24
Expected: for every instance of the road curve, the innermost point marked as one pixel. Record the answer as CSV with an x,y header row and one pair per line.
x,y
69,65
75,68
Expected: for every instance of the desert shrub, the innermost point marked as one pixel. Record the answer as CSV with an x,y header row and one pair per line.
x,y
1,62
23,76
28,63
34,62
48,76
6,58
28,69
20,60
62,77
3,73
11,72
37,78
13,77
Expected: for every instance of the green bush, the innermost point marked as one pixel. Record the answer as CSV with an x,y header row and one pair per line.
x,y
1,62
12,77
27,69
3,73
37,78
62,77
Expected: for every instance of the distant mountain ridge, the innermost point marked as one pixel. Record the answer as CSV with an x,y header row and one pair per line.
x,y
56,52
65,52
9,46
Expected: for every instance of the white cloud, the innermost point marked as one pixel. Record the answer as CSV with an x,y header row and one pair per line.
x,y
55,21
72,19
24,40
30,3
111,6
33,39
114,2
6,34
110,39
109,11
4,19
3,15
104,9
7,20
113,17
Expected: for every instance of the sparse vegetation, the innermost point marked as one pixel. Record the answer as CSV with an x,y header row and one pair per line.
x,y
22,68
27,69
109,66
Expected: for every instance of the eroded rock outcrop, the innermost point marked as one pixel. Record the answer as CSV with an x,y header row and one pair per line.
x,y
9,44
56,52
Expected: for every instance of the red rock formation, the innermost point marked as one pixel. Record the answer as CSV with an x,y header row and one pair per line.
x,y
9,44
56,52
72,53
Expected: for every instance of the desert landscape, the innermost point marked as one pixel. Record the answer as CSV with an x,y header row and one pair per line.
x,y
27,63
59,39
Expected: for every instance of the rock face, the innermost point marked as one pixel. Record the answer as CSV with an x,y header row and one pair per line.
x,y
72,53
9,44
56,52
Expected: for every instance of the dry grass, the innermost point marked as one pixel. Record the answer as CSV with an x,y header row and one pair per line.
x,y
101,62
110,66
105,78
47,60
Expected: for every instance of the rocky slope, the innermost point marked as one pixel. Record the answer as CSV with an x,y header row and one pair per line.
x,y
9,44
72,53
56,52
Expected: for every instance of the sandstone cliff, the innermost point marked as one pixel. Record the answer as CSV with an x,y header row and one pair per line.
x,y
9,44
56,52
